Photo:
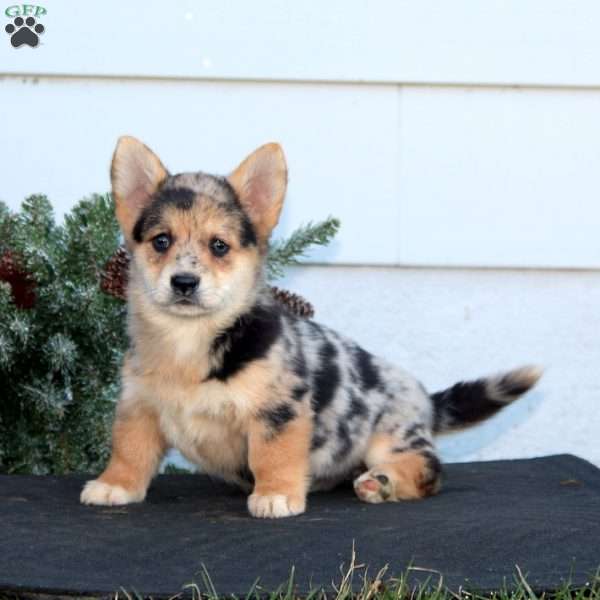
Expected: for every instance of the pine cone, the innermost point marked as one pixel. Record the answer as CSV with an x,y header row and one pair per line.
x,y
296,304
21,283
113,281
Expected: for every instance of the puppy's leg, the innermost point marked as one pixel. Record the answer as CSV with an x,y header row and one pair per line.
x,y
137,448
398,470
278,455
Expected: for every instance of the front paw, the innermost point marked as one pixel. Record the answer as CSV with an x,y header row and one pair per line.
x,y
275,506
98,492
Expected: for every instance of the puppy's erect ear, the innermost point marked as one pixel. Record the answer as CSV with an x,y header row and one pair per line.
x,y
260,183
136,172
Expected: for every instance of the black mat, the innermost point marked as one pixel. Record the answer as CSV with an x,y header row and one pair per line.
x,y
542,515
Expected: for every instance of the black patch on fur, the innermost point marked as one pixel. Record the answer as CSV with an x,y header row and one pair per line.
x,y
247,232
249,338
299,391
357,408
278,417
344,441
299,365
247,235
179,197
326,378
368,372
462,404
378,417
318,441
433,462
419,443
245,474
299,360
430,483
416,429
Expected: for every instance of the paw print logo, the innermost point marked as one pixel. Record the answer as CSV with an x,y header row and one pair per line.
x,y
24,32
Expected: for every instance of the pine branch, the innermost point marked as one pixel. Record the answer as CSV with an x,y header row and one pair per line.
x,y
283,253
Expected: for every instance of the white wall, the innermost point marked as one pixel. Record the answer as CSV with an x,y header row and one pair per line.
x,y
443,134
420,175
496,42
451,134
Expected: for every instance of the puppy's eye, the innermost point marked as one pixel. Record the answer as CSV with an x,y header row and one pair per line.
x,y
219,247
161,242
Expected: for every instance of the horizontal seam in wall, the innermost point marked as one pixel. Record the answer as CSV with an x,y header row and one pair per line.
x,y
273,81
435,267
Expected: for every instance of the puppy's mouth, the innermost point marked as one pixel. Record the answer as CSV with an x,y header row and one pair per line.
x,y
185,302
186,306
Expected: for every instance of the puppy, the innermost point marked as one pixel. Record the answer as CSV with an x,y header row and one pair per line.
x,y
241,387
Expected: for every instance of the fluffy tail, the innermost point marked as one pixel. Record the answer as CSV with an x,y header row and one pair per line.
x,y
467,403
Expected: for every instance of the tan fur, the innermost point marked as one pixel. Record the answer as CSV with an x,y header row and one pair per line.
x,y
379,449
260,181
280,464
135,173
408,473
137,448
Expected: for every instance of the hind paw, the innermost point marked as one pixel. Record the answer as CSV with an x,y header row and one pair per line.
x,y
374,486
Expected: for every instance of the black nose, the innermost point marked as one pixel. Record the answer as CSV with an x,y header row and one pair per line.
x,y
185,284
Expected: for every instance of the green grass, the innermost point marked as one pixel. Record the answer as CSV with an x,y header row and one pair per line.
x,y
355,582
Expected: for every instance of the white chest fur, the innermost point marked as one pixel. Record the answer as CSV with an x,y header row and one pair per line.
x,y
205,418
205,422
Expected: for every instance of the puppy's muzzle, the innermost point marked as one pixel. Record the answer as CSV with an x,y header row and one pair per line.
x,y
185,284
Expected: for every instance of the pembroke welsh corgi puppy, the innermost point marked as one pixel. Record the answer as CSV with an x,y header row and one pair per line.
x,y
218,369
